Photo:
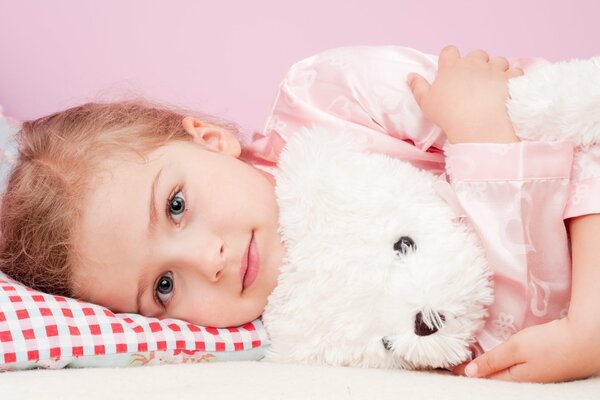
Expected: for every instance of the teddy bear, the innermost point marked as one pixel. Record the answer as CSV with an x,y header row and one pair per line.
x,y
380,271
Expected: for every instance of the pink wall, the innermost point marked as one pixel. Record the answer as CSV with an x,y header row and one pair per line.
x,y
226,57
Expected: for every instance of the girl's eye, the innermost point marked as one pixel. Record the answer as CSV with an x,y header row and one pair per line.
x,y
164,288
176,206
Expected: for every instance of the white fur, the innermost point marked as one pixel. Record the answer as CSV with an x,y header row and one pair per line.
x,y
343,288
558,102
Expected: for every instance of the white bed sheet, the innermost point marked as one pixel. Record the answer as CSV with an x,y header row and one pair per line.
x,y
262,380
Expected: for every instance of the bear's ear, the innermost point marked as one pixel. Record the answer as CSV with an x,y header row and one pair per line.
x,y
405,245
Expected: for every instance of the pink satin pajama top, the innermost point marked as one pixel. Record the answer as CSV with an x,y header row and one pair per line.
x,y
515,196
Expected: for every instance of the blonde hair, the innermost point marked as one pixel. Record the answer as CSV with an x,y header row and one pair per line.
x,y
58,156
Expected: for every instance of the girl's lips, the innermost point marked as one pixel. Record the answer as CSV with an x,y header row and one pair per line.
x,y
250,264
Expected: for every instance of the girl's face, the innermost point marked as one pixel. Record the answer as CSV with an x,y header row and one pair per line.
x,y
170,237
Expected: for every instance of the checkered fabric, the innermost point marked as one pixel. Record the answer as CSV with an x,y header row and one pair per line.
x,y
38,327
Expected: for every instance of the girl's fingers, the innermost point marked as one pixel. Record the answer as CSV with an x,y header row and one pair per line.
x,y
512,374
418,86
514,72
479,54
448,56
499,63
499,358
459,369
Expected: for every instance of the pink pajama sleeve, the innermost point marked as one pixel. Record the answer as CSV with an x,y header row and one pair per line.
x,y
514,195
356,90
584,197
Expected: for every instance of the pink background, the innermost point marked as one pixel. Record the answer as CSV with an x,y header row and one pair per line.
x,y
227,57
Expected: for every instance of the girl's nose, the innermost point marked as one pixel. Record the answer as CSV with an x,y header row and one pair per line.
x,y
211,263
198,252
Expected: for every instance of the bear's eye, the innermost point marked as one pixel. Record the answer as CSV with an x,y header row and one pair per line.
x,y
404,245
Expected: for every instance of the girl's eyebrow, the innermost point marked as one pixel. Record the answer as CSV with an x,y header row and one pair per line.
x,y
142,285
152,204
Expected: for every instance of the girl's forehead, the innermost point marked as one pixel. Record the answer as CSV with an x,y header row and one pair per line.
x,y
170,152
129,160
111,172
129,166
114,209
132,175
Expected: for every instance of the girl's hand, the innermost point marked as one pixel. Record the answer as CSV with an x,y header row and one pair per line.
x,y
553,352
467,98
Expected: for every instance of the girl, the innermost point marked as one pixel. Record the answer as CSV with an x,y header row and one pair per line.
x,y
81,217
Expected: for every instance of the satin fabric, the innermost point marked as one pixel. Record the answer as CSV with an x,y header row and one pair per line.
x,y
515,195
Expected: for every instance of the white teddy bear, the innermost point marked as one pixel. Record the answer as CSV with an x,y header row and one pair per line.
x,y
379,272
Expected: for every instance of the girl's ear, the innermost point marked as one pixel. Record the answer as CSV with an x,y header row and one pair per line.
x,y
213,137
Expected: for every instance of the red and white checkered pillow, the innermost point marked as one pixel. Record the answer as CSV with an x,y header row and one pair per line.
x,y
38,330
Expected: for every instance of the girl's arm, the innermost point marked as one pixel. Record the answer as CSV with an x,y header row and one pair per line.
x,y
467,101
564,349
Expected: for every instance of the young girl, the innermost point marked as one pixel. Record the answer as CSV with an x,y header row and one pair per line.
x,y
144,210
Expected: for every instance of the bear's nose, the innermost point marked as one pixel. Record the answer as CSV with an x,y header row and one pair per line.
x,y
422,329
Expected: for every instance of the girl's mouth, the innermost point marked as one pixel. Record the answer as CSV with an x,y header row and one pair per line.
x,y
250,264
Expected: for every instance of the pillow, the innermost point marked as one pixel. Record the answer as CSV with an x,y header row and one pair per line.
x,y
41,330
38,330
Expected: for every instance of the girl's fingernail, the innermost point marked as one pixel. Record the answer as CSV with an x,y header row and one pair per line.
x,y
471,370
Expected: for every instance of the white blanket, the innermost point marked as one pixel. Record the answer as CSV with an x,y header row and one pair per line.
x,y
262,380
